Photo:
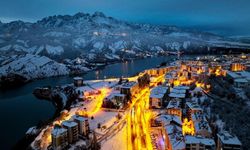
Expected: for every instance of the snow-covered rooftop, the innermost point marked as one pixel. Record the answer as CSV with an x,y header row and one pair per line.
x,y
173,104
233,74
69,124
176,137
193,106
245,74
175,95
198,139
168,76
77,78
158,92
113,94
200,122
181,87
79,118
128,84
241,80
227,138
57,131
166,119
178,91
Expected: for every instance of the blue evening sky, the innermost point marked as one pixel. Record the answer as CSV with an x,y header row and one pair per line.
x,y
228,17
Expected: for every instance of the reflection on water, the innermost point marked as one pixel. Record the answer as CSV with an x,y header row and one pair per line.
x,y
97,74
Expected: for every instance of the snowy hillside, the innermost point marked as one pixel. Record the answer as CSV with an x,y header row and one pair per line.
x,y
32,66
83,42
94,35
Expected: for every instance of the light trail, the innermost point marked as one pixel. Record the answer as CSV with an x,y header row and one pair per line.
x,y
139,118
99,101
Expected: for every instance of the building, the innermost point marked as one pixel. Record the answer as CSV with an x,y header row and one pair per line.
x,y
192,107
239,79
158,96
72,130
164,120
237,67
170,126
83,125
174,139
201,125
59,137
129,88
182,88
240,83
174,108
232,75
160,71
245,75
199,143
78,81
179,92
115,100
227,141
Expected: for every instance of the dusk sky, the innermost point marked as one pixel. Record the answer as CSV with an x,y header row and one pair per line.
x,y
228,17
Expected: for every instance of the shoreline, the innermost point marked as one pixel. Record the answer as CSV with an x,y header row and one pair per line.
x,y
55,116
213,51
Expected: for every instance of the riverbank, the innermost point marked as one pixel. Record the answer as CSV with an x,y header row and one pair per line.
x,y
22,110
48,93
13,80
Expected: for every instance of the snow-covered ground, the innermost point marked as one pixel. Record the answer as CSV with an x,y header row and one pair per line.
x,y
55,50
117,142
106,119
35,66
32,66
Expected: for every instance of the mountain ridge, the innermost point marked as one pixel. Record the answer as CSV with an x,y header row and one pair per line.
x,y
81,42
83,33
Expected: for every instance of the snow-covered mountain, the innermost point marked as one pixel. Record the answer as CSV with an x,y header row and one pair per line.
x,y
82,42
94,35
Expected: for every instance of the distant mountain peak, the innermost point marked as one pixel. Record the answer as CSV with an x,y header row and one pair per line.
x,y
81,14
99,14
84,33
80,17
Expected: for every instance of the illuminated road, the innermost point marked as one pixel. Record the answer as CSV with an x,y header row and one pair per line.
x,y
98,103
46,140
138,122
138,119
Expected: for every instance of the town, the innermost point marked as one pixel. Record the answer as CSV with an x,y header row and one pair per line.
x,y
192,104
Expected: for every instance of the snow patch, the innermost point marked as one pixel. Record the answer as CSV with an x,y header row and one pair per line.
x,y
79,42
5,48
56,34
55,50
98,45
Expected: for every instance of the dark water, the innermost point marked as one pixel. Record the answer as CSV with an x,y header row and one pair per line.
x,y
20,110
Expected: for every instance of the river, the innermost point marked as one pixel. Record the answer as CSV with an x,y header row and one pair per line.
x,y
20,109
